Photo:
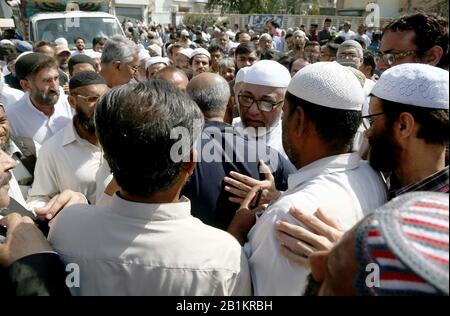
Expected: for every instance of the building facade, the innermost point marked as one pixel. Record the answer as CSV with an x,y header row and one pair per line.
x,y
388,8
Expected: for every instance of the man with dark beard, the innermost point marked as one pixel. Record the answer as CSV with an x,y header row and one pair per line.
x,y
71,159
43,110
409,123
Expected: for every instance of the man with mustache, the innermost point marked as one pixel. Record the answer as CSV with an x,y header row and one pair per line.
x,y
41,112
71,159
408,123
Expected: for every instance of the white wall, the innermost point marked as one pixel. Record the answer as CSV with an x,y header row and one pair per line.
x,y
388,8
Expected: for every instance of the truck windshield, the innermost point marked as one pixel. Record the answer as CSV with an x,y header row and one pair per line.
x,y
69,28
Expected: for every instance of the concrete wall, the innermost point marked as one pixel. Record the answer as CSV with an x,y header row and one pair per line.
x,y
388,8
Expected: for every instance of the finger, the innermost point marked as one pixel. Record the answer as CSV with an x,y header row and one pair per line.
x,y
298,247
311,221
45,211
11,221
249,198
288,254
299,233
244,179
266,170
330,221
235,200
237,184
236,192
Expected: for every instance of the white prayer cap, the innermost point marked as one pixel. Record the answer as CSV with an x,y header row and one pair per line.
x,y
6,41
414,84
328,84
143,54
61,41
240,76
200,51
156,60
187,52
265,36
299,33
184,33
353,44
156,48
268,73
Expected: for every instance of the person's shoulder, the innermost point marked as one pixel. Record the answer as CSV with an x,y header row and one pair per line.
x,y
17,107
53,143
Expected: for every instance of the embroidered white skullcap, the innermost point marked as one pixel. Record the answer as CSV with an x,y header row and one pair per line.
x,y
184,33
328,84
200,51
186,52
240,76
414,84
156,60
268,73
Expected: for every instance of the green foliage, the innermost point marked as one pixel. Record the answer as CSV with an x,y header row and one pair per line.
x,y
199,19
256,6
441,8
315,10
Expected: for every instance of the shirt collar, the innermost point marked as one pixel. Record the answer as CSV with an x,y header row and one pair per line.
x,y
328,165
28,102
151,212
71,135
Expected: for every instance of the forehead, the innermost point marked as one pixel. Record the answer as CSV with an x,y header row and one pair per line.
x,y
47,72
260,91
201,58
397,41
92,89
348,49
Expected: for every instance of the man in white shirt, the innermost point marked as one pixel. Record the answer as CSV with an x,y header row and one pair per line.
x,y
43,110
71,158
260,102
80,45
318,131
347,33
144,241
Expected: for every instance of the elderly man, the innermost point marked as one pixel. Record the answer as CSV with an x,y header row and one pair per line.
x,y
71,158
119,61
416,38
265,43
43,110
400,250
318,132
233,153
299,40
141,73
260,103
200,61
155,64
145,238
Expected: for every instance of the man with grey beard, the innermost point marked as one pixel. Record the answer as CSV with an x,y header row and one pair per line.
x,y
70,159
43,110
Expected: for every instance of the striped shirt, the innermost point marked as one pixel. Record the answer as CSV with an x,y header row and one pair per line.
x,y
437,182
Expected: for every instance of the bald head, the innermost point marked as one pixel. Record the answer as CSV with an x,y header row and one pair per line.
x,y
211,92
175,76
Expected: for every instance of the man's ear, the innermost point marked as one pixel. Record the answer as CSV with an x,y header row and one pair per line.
x,y
433,55
405,126
26,86
71,100
117,64
189,167
300,120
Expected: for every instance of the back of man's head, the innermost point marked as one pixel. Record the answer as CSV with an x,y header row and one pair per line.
x,y
135,125
211,92
175,76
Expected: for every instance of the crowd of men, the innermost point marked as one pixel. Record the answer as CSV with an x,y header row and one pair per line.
x,y
199,161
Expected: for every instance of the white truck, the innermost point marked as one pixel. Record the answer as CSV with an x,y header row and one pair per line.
x,y
47,21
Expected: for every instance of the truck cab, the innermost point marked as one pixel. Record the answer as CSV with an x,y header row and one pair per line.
x,y
72,24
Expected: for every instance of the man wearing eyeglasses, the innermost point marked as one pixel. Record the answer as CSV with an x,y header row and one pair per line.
x,y
416,38
71,159
260,103
120,61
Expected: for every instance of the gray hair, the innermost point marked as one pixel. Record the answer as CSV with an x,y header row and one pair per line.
x,y
352,44
118,48
212,98
265,36
227,62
